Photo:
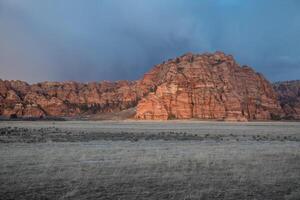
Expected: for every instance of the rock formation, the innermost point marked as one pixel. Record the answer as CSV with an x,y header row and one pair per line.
x,y
289,97
65,99
207,86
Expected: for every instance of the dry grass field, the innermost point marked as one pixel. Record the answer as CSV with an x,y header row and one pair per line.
x,y
150,160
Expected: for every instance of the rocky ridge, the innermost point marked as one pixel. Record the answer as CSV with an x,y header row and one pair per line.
x,y
207,86
65,98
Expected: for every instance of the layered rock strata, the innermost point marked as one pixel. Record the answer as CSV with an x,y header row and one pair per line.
x,y
207,86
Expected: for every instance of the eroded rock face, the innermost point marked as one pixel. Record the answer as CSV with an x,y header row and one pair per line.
x,y
65,98
289,97
208,86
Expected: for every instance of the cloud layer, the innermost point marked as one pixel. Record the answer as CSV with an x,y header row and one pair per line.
x,y
122,39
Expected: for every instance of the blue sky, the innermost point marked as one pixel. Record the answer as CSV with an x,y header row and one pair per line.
x,y
98,40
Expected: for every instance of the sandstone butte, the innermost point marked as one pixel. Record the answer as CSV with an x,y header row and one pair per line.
x,y
207,86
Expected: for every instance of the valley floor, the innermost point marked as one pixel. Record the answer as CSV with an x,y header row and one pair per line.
x,y
149,160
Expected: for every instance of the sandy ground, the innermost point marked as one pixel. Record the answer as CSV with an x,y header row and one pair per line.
x,y
149,160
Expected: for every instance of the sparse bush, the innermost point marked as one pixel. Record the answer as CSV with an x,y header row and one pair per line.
x,y
275,117
171,117
13,116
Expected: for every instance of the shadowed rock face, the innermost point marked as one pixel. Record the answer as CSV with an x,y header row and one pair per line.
x,y
207,86
289,97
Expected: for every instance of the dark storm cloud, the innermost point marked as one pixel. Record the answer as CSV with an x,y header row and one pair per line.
x,y
122,39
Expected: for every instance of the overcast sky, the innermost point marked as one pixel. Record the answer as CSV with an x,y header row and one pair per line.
x,y
94,40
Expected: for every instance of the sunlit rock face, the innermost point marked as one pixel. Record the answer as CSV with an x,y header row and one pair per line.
x,y
207,86
289,97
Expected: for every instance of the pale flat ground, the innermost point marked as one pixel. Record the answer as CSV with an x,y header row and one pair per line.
x,y
149,160
203,127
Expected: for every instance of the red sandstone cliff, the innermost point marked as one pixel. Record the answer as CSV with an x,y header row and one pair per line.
x,y
208,86
65,98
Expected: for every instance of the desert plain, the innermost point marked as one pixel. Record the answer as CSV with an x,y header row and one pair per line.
x,y
149,160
